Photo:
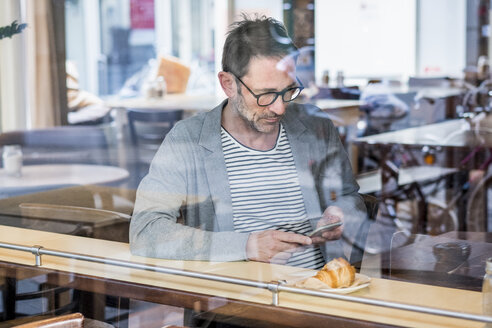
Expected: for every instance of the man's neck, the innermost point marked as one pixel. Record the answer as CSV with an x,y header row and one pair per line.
x,y
246,134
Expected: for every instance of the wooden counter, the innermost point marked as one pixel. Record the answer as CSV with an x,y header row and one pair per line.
x,y
241,301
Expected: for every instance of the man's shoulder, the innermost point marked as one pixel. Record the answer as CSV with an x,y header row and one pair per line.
x,y
192,127
192,122
188,128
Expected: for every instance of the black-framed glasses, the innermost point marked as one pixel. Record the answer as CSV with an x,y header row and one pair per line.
x,y
268,98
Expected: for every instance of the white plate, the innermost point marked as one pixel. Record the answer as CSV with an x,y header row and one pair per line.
x,y
303,273
364,281
350,289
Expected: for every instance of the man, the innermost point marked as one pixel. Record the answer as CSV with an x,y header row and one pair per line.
x,y
247,176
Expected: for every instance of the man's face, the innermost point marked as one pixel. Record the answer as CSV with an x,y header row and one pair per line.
x,y
265,74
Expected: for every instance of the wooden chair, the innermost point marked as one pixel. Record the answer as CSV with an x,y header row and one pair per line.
x,y
86,222
40,294
148,127
429,82
351,92
116,199
73,320
49,289
62,144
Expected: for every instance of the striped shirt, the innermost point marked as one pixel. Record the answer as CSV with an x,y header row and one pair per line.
x,y
266,193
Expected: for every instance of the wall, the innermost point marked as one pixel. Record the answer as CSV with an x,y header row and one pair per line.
x,y
272,8
368,38
441,37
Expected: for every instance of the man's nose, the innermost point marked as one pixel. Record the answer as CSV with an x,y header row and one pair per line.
x,y
278,106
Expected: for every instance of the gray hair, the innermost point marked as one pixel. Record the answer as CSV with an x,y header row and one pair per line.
x,y
258,37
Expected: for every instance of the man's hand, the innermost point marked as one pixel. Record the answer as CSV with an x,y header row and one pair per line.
x,y
274,246
330,215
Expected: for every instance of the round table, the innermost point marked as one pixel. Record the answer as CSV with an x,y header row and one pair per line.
x,y
50,176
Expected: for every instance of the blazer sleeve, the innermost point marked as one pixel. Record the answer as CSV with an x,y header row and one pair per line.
x,y
154,230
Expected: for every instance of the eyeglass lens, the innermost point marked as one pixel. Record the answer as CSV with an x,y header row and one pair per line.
x,y
269,98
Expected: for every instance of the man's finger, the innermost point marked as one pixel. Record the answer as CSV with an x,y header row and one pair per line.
x,y
327,220
292,238
293,248
332,233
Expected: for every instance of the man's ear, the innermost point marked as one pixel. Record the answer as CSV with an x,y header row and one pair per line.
x,y
228,84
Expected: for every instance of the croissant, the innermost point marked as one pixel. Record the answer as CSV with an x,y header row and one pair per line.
x,y
337,273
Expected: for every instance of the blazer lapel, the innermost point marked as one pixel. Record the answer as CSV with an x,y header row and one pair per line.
x,y
215,169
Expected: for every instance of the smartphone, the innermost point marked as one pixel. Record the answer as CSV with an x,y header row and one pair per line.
x,y
327,227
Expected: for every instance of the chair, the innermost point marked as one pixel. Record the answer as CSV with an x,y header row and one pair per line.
x,y
43,294
73,320
428,82
53,289
62,144
148,128
86,219
90,222
392,262
87,222
351,92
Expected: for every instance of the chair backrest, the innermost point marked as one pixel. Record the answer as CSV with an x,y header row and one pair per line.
x,y
72,320
435,82
148,127
88,222
401,239
41,293
351,92
63,144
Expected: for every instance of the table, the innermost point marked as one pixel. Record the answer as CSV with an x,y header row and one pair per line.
x,y
238,303
50,176
188,103
370,183
457,133
416,262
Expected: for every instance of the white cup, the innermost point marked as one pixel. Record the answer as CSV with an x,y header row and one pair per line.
x,y
12,160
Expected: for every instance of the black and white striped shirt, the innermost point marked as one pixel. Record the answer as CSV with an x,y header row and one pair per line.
x,y
266,193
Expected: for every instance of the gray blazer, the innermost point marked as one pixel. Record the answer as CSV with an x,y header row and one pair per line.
x,y
188,177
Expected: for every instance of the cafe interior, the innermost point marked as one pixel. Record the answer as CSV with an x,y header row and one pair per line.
x,y
89,89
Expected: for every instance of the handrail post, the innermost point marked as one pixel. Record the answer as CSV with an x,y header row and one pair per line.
x,y
273,287
37,255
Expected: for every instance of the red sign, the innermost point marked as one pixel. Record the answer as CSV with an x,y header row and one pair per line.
x,y
142,13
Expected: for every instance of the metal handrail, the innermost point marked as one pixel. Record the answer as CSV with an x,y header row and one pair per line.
x,y
274,287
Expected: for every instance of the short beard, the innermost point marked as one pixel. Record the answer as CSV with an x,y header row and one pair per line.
x,y
240,108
